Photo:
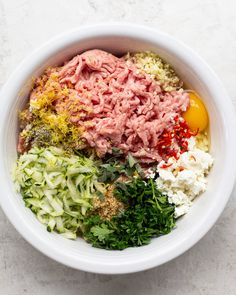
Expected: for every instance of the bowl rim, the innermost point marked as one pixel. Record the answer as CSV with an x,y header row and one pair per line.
x,y
134,31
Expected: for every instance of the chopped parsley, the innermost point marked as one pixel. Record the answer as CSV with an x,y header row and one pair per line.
x,y
148,214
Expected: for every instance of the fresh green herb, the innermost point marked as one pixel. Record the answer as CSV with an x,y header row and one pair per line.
x,y
131,161
116,152
114,168
148,214
101,232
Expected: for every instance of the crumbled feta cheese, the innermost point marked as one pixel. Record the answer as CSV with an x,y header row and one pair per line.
x,y
184,179
181,210
166,175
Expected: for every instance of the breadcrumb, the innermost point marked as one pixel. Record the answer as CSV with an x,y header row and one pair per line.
x,y
109,206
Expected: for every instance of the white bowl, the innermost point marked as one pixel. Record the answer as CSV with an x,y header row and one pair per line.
x,y
120,38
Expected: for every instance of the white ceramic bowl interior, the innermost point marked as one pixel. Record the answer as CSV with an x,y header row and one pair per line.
x,y
119,39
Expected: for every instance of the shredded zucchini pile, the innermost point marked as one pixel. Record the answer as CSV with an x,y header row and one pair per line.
x,y
58,188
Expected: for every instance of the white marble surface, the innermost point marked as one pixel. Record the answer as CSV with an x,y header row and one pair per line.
x,y
208,26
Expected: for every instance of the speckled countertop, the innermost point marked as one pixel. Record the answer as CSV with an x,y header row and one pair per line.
x,y
209,27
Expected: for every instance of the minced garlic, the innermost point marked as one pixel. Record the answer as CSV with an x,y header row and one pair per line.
x,y
156,67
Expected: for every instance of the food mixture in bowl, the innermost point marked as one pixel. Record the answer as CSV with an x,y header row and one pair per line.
x,y
112,149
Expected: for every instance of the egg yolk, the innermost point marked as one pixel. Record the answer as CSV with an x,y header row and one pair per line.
x,y
196,115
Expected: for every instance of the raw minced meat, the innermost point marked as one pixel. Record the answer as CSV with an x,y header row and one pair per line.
x,y
115,104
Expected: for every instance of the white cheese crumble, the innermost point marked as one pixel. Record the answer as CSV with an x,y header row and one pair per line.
x,y
184,179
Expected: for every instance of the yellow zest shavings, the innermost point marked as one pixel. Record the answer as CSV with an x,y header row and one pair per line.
x,y
46,92
52,107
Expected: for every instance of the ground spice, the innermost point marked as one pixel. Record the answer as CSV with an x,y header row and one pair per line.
x,y
108,206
